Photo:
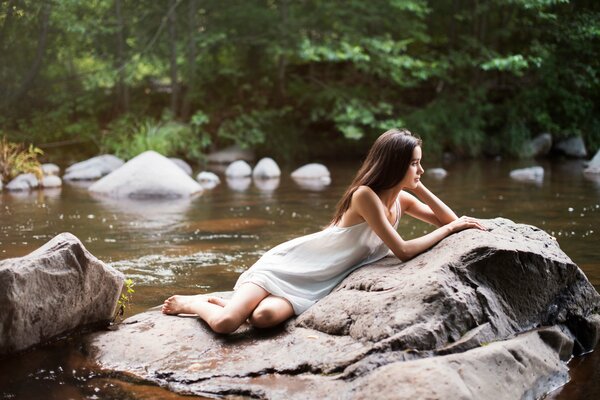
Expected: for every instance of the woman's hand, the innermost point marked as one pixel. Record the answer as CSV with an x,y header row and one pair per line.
x,y
465,223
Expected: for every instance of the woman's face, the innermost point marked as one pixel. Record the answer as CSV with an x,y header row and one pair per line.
x,y
414,172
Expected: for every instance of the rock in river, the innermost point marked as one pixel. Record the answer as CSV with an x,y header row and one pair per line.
x,y
55,289
483,314
531,174
92,169
149,175
594,165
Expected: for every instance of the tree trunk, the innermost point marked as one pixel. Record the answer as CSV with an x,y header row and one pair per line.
x,y
122,88
36,65
173,57
7,23
191,59
282,62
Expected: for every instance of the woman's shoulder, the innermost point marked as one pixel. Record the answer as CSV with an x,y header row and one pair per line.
x,y
365,196
364,191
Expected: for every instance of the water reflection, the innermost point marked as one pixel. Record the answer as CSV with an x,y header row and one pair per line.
x,y
313,185
239,184
36,194
148,214
267,184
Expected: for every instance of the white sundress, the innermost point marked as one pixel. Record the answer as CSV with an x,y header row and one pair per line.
x,y
306,269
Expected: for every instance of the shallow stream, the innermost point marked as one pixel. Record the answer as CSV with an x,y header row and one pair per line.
x,y
202,245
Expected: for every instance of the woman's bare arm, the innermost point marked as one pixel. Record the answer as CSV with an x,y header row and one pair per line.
x,y
369,206
429,208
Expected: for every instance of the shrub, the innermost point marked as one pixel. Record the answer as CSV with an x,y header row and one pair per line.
x,y
16,158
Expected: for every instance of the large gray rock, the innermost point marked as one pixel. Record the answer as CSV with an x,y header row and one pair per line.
x,y
53,290
572,147
230,154
594,165
459,321
147,176
538,146
94,168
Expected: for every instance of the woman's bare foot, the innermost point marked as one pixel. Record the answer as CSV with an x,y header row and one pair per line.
x,y
179,304
218,301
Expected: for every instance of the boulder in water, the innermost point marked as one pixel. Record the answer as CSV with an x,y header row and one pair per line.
x,y
53,290
483,314
149,175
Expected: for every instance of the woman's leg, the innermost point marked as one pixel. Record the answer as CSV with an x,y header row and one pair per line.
x,y
224,319
271,311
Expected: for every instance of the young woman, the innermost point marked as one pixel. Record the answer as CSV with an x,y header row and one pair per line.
x,y
292,276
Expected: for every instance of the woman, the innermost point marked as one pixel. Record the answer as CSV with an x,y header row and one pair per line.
x,y
292,276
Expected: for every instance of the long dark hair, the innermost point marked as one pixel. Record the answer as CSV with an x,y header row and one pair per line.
x,y
385,166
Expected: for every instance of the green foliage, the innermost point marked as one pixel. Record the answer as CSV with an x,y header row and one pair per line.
x,y
127,137
249,129
125,298
16,158
471,78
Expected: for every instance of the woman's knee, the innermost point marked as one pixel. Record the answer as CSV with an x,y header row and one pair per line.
x,y
263,317
225,323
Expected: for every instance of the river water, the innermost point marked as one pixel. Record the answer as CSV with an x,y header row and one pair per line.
x,y
202,245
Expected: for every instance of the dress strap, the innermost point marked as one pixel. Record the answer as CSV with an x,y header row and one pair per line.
x,y
397,210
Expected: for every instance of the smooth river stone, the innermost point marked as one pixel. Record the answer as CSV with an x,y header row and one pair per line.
x,y
149,175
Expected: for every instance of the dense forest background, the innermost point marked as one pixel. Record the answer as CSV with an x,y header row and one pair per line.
x,y
297,78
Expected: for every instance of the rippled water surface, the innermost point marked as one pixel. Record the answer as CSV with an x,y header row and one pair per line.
x,y
203,244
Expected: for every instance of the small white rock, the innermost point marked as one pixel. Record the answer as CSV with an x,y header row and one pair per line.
x,y
311,171
182,164
230,154
23,182
437,173
94,168
206,176
51,181
593,166
266,168
208,180
50,169
531,174
238,169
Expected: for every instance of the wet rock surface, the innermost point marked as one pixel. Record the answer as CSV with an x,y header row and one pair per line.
x,y
55,289
481,315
